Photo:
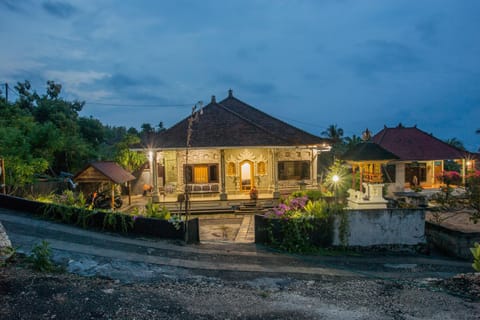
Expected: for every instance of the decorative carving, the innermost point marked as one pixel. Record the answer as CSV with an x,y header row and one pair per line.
x,y
231,170
261,168
246,155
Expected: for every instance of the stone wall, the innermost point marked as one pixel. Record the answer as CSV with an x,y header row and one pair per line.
x,y
4,241
452,242
378,227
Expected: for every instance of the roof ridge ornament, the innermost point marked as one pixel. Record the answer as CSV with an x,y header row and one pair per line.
x,y
213,99
230,93
366,135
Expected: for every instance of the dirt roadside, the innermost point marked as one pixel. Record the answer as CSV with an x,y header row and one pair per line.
x,y
27,294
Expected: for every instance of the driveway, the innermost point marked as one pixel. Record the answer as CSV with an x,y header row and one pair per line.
x,y
310,287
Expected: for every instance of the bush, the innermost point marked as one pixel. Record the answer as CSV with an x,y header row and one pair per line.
x,y
41,257
476,256
301,225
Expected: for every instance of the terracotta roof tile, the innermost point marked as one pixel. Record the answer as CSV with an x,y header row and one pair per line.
x,y
109,169
414,144
233,123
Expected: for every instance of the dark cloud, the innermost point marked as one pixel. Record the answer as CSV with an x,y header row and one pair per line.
x,y
59,9
378,56
121,81
13,5
428,31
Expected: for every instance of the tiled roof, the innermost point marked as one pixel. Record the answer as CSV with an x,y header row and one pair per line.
x,y
368,151
104,170
414,144
233,123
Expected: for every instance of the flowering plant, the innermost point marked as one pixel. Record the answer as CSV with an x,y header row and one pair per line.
x,y
291,208
450,177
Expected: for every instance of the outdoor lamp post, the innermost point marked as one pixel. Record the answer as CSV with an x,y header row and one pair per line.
x,y
335,180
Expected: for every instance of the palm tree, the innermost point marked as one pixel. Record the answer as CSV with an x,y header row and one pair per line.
x,y
352,141
334,133
454,142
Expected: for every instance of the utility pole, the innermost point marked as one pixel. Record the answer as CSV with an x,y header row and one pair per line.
x,y
6,92
193,117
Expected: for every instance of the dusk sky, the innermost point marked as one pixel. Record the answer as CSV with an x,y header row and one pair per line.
x,y
353,63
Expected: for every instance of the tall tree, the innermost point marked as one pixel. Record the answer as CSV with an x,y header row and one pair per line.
x,y
334,132
454,142
352,141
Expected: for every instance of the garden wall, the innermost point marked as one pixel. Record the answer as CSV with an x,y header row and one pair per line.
x,y
143,226
453,242
366,228
377,227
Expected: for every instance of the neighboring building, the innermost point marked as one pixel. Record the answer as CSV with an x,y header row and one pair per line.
x,y
232,148
421,157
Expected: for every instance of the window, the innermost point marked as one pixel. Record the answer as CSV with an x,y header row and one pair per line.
x,y
415,169
201,173
293,170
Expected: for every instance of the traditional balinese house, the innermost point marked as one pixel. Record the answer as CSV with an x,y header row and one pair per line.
x,y
368,159
421,157
226,148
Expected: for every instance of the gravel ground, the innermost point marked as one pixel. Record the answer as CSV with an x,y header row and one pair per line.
x,y
177,293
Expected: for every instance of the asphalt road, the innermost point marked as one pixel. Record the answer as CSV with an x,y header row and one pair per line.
x,y
245,281
72,244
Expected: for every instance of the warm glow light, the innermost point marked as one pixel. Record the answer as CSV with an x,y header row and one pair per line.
x,y
150,155
335,178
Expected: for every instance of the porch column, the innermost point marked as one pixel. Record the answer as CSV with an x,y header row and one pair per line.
x,y
399,176
361,178
353,176
314,167
223,194
155,194
276,193
463,171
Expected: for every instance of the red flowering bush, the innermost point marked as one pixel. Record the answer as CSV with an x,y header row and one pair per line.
x,y
450,177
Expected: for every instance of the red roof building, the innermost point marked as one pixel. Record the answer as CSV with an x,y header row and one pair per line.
x,y
411,143
421,157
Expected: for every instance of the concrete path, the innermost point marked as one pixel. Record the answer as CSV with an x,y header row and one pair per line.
x,y
99,253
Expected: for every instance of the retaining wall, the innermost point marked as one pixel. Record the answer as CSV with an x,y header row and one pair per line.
x,y
376,227
143,226
366,228
453,242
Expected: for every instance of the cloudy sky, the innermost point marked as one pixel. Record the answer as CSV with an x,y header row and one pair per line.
x,y
356,64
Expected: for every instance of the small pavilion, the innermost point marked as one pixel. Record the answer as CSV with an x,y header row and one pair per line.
x,y
367,158
105,172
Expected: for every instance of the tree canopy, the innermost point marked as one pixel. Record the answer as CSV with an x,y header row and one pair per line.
x,y
45,134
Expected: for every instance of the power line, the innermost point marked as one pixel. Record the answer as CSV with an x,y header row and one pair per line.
x,y
182,105
11,90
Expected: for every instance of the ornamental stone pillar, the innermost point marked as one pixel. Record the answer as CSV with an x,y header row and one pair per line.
x,y
223,194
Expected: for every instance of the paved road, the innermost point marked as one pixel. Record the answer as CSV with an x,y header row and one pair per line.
x,y
126,258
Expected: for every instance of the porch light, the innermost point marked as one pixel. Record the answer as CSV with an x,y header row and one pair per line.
x,y
335,180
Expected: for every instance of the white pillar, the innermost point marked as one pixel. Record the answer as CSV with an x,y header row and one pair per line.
x,y
155,194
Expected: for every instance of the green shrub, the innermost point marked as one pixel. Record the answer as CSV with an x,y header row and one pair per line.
x,y
113,220
41,257
153,210
476,256
317,209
